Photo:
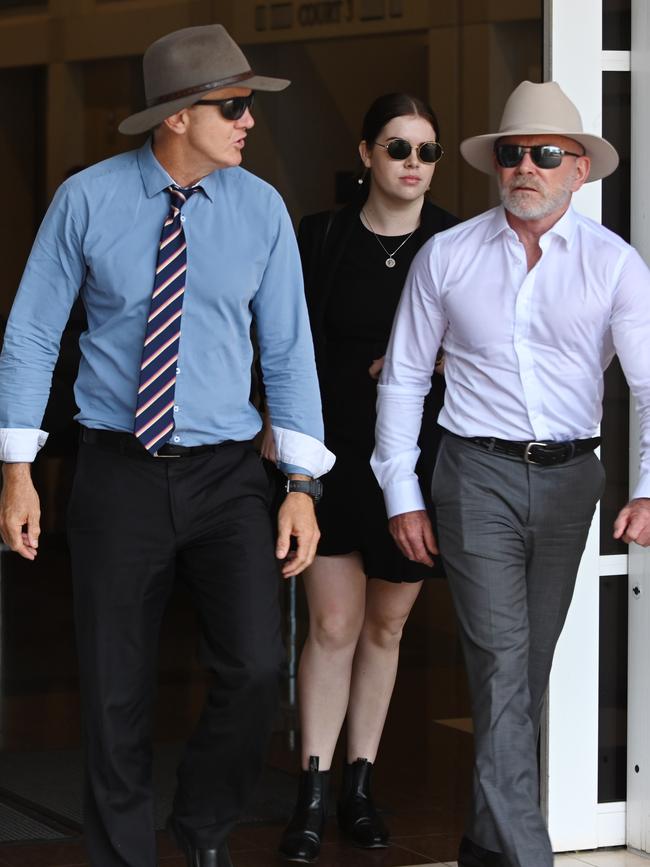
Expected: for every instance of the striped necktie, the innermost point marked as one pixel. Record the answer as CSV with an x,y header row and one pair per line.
x,y
154,416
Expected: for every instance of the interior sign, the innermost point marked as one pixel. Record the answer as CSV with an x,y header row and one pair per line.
x,y
310,14
280,16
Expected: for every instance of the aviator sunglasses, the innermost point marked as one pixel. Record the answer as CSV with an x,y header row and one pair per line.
x,y
544,156
400,149
232,108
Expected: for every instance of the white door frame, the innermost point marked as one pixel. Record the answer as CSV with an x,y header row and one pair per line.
x,y
569,756
638,743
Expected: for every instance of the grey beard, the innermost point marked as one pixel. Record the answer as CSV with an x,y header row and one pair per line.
x,y
535,210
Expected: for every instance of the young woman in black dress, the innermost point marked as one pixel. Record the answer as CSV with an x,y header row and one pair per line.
x,y
360,589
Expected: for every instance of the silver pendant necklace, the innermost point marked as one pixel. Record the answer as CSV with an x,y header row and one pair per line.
x,y
390,261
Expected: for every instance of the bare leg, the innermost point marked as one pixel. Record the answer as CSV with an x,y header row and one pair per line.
x,y
336,591
388,606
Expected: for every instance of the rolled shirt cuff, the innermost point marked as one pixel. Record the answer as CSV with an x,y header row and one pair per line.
x,y
20,445
292,469
295,449
403,496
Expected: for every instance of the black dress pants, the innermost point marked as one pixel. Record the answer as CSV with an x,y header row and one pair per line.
x,y
135,523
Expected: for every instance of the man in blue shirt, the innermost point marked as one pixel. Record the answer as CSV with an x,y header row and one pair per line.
x,y
168,483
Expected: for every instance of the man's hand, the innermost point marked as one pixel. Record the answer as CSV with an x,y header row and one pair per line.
x,y
414,536
633,522
297,518
20,511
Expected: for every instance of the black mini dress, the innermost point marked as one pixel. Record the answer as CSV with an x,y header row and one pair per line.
x,y
351,317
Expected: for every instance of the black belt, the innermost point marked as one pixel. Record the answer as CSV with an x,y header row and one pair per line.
x,y
544,453
126,443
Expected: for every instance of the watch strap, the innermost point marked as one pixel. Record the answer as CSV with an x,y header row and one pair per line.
x,y
312,487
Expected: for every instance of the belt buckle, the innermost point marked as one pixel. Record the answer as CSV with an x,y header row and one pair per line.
x,y
156,455
527,458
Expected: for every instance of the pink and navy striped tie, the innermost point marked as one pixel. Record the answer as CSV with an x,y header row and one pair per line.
x,y
154,416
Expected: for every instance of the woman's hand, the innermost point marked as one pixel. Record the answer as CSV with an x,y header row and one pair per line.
x,y
267,446
376,367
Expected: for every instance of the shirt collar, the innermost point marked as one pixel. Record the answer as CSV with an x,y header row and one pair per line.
x,y
498,224
565,226
156,179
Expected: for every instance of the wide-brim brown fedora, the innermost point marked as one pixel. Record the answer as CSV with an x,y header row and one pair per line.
x,y
181,67
541,109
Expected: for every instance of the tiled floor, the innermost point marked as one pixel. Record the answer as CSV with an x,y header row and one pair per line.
x,y
603,858
595,858
251,852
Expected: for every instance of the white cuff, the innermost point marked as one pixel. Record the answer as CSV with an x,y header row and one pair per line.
x,y
403,496
642,488
20,445
301,450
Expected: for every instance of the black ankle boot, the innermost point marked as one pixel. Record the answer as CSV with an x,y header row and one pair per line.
x,y
302,837
358,817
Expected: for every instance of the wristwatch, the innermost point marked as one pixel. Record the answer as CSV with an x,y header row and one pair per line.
x,y
313,487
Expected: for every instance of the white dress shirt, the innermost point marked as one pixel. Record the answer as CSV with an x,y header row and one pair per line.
x,y
525,350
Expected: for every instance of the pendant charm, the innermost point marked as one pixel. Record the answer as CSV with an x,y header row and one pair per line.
x,y
390,262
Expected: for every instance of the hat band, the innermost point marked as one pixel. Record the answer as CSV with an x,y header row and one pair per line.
x,y
200,88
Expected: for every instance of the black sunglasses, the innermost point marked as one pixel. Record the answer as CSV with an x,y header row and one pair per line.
x,y
544,156
232,108
400,149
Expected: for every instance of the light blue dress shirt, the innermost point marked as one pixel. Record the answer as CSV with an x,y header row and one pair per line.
x,y
100,238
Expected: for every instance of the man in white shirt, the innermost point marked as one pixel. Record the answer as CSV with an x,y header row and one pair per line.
x,y
530,300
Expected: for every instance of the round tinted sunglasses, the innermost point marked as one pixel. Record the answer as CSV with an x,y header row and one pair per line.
x,y
232,108
401,149
544,156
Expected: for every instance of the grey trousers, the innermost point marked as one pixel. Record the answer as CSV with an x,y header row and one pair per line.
x,y
511,536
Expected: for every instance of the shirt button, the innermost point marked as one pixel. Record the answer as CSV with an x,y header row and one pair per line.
x,y
182,218
177,439
176,408
178,370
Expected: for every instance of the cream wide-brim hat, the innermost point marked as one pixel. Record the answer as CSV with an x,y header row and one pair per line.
x,y
540,109
184,65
